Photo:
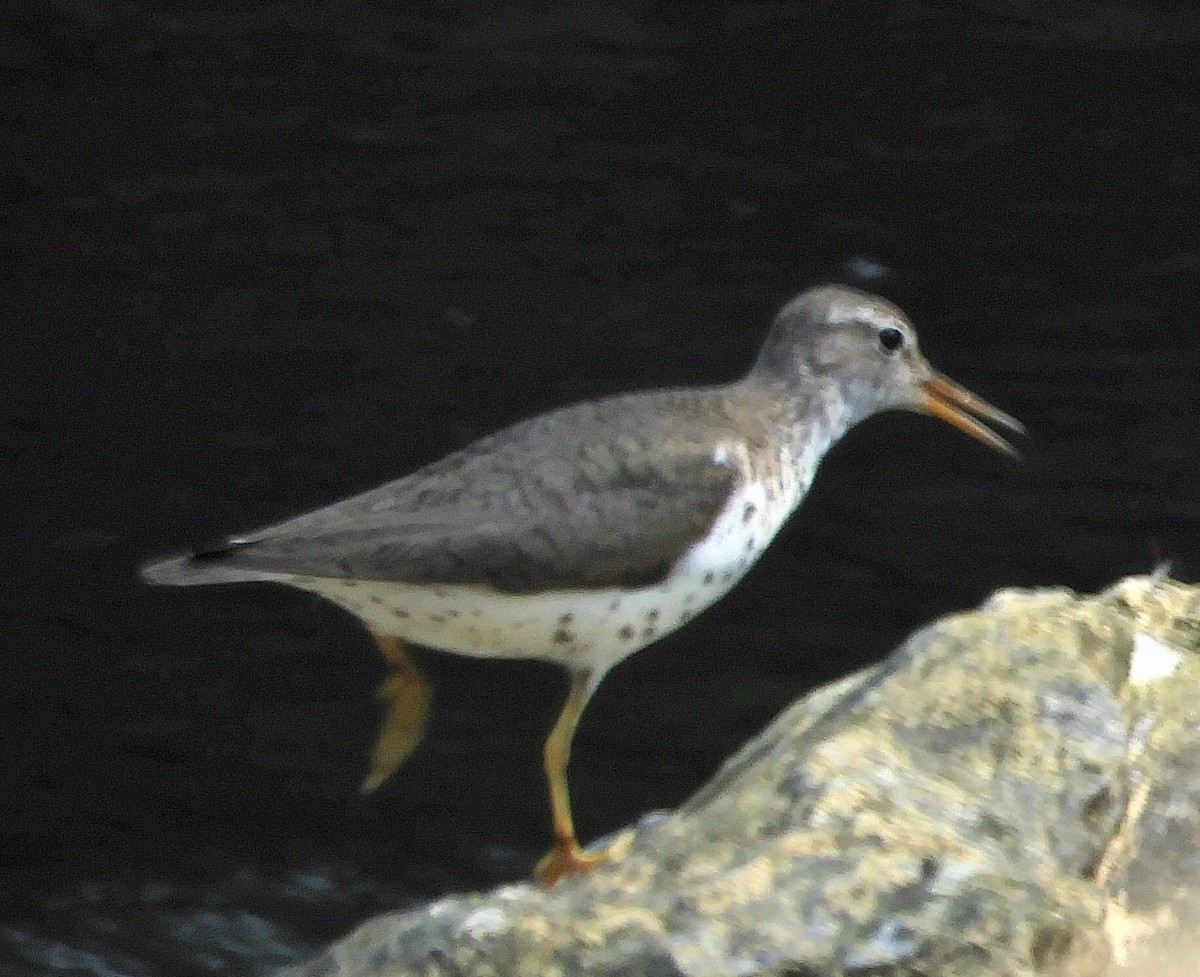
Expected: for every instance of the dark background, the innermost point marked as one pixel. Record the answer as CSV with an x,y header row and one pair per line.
x,y
258,257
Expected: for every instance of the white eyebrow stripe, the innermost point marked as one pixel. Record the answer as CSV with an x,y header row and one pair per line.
x,y
863,312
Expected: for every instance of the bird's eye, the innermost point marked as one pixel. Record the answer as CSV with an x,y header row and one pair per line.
x,y
891,339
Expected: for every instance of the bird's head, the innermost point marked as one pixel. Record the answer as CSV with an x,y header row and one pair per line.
x,y
867,347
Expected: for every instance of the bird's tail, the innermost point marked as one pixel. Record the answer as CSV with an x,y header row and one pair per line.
x,y
205,567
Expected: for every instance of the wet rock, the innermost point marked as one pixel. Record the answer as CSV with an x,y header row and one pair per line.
x,y
1015,791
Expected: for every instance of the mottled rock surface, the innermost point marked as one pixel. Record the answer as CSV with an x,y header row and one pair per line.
x,y
1013,792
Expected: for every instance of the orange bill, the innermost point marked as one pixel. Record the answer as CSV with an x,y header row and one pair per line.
x,y
942,397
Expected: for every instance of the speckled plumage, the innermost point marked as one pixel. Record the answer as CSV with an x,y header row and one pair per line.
x,y
584,534
605,493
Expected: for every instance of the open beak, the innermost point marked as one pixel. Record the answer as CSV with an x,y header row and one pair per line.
x,y
942,397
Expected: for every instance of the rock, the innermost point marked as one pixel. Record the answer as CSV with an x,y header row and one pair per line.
x,y
1015,791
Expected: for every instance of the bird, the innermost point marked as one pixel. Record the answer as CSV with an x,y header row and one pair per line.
x,y
581,535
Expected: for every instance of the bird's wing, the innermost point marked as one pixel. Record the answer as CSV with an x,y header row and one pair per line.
x,y
599,520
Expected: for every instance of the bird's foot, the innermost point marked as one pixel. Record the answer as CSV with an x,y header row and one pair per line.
x,y
405,695
567,858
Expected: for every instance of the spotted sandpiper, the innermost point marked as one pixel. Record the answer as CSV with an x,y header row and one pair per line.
x,y
582,535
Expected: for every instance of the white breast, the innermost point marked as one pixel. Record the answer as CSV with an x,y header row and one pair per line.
x,y
748,523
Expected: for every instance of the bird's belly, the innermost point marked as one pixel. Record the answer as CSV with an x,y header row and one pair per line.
x,y
575,628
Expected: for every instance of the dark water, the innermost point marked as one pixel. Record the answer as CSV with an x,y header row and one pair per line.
x,y
255,261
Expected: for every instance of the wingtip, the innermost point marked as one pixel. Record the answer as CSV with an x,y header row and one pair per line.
x,y
203,567
166,572
211,564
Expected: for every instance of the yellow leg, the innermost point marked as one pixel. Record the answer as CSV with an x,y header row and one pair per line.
x,y
566,857
405,695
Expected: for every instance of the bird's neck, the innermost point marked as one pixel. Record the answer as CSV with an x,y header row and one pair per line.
x,y
814,417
